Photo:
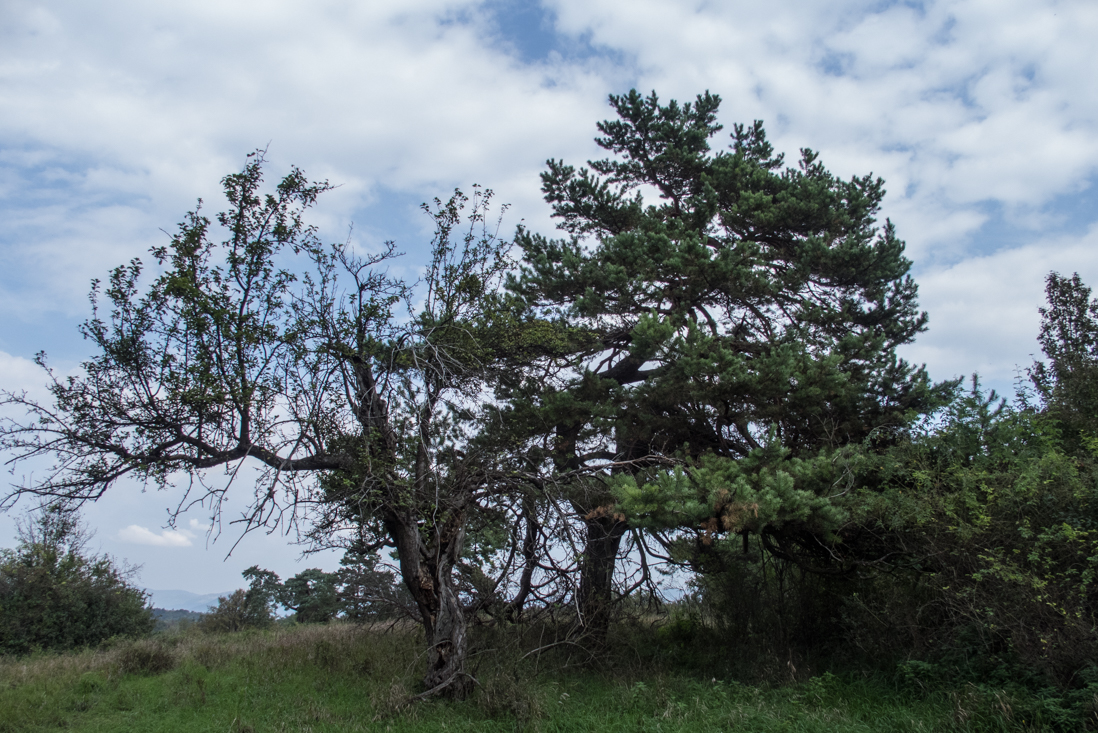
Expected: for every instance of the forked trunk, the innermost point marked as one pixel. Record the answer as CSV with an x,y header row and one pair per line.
x,y
426,565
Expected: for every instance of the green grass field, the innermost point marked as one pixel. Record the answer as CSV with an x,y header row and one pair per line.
x,y
341,677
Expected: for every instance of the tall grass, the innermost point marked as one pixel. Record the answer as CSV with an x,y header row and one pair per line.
x,y
342,677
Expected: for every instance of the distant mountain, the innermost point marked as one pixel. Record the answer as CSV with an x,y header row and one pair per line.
x,y
183,600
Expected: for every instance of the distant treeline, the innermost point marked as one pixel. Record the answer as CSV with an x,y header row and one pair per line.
x,y
171,620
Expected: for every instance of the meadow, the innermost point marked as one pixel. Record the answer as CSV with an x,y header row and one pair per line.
x,y
346,677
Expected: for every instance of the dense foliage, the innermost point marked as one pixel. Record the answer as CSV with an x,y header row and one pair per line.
x,y
964,549
54,595
1000,522
995,507
739,310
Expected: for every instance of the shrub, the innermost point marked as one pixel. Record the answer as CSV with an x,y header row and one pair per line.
x,y
1001,521
54,596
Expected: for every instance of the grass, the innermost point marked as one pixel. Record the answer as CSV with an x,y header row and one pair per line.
x,y
341,677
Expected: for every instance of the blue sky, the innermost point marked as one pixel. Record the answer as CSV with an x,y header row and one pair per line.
x,y
981,116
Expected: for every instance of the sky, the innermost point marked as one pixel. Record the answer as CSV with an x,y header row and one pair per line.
x,y
981,115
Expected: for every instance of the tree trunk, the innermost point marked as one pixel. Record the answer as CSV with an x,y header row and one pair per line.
x,y
529,556
600,555
605,528
427,570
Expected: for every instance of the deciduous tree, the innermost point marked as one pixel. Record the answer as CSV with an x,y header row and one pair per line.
x,y
1067,383
351,390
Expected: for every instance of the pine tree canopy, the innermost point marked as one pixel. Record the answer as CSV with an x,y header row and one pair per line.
x,y
730,294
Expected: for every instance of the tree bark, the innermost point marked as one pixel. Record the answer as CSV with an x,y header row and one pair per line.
x,y
600,555
427,570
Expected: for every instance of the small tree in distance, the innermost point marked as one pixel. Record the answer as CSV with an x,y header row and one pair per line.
x,y
1067,383
359,591
241,609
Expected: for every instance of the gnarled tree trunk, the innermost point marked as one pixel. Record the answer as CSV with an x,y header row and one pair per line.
x,y
426,565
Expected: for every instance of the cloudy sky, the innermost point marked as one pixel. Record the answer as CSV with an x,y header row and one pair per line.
x,y
982,116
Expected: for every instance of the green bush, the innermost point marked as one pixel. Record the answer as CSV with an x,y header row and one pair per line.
x,y
54,596
1000,523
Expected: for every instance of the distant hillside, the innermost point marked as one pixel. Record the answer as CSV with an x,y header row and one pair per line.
x,y
183,600
172,615
167,620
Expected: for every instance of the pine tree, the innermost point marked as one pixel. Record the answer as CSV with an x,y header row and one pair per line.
x,y
732,303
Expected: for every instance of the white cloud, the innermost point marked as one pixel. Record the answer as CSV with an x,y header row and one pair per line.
x,y
986,100
118,116
970,110
141,108
198,526
138,535
18,374
983,311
